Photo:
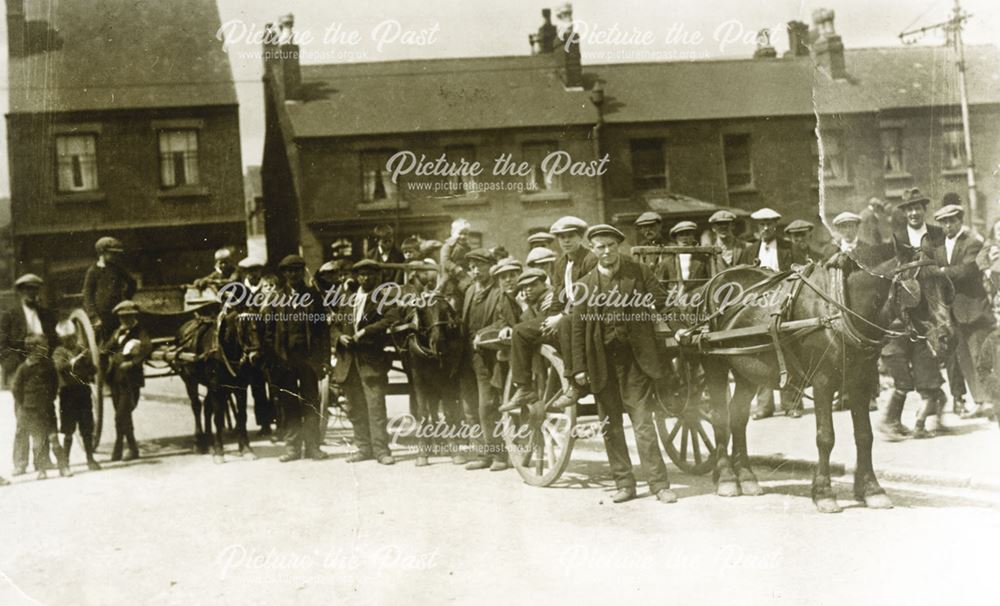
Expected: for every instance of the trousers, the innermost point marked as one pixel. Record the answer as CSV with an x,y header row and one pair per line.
x,y
366,396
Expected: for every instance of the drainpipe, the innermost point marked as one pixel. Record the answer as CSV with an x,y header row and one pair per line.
x,y
597,98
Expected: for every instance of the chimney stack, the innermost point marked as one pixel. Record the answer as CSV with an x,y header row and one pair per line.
x,y
16,29
289,71
764,48
798,39
828,47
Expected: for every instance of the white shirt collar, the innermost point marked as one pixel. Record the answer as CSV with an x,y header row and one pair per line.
x,y
916,236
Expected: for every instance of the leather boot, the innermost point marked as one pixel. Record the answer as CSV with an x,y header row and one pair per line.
x,y
116,452
62,461
567,398
891,425
88,447
133,447
524,395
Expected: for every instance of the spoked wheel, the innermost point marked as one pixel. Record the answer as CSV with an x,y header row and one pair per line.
x,y
88,338
540,442
685,427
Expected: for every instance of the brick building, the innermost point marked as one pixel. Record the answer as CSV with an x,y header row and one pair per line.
x,y
737,133
119,128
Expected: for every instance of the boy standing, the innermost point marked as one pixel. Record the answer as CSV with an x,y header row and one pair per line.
x,y
75,370
34,389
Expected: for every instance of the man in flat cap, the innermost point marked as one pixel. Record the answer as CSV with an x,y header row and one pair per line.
x,y
27,317
649,229
615,350
481,309
125,351
105,285
723,224
297,339
575,262
768,250
541,239
875,227
683,267
800,234
544,259
527,335
385,251
222,271
970,310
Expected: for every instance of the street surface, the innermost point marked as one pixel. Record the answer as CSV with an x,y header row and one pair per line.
x,y
173,528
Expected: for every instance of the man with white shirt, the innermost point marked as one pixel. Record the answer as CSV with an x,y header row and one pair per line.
x,y
767,251
723,225
683,267
27,317
970,309
916,234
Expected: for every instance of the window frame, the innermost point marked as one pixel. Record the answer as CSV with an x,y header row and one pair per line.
x,y
750,185
91,137
661,144
392,190
550,145
185,159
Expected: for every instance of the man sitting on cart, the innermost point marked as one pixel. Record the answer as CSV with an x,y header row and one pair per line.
x,y
681,268
527,335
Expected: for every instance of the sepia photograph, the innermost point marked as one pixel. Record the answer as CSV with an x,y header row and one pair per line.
x,y
476,302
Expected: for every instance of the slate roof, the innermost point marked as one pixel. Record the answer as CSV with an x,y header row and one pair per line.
x,y
508,92
117,54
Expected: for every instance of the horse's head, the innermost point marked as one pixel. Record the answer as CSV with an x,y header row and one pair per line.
x,y
924,296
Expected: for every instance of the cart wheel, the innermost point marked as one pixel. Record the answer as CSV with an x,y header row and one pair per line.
x,y
540,444
686,432
84,328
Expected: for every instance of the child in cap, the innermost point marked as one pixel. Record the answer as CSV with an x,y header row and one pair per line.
x,y
76,371
34,389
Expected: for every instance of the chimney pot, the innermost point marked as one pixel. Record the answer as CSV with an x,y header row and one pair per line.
x,y
828,48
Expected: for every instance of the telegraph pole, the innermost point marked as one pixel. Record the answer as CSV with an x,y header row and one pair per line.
x,y
953,28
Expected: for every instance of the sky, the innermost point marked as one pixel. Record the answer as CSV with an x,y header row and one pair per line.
x,y
618,31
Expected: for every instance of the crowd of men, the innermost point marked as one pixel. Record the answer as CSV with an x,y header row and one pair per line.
x,y
608,349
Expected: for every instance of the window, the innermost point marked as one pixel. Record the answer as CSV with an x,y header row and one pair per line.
x,y
537,181
178,158
76,161
954,148
892,151
739,167
649,164
455,154
376,180
834,159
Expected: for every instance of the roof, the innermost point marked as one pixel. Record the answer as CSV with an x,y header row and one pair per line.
x,y
435,95
672,206
508,92
111,54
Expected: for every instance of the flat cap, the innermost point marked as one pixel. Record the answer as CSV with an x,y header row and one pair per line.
x,y
28,280
538,256
541,237
603,229
912,196
109,244
529,275
365,265
722,216
126,307
480,254
951,210
292,261
799,225
223,254
566,225
765,214
335,265
506,265
683,226
249,262
846,217
648,218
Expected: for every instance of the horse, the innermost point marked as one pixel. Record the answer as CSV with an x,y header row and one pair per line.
x,y
211,347
839,353
430,337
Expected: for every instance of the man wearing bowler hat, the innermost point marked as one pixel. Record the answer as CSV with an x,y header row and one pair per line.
x,y
297,337
105,285
970,309
615,351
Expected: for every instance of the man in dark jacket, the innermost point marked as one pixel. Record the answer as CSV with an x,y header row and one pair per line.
x,y
768,250
125,351
916,234
682,268
298,339
105,285
360,334
970,310
615,351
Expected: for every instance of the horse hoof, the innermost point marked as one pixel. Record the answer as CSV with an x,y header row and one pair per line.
x,y
878,501
828,505
728,488
750,488
218,459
